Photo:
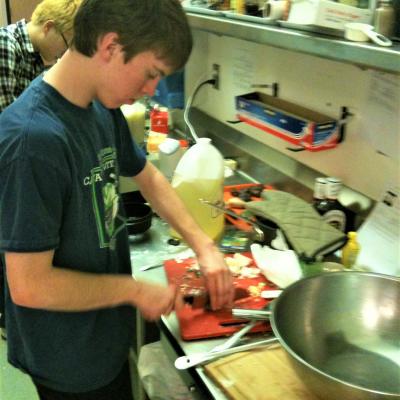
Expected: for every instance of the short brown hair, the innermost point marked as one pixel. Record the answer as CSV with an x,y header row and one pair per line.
x,y
142,25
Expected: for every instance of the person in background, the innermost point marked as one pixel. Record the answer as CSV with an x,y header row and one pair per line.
x,y
26,49
70,293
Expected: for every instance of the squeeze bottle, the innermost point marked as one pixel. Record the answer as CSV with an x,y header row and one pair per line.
x,y
200,175
350,250
158,128
135,118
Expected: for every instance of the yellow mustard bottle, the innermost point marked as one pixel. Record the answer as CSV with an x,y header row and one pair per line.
x,y
238,6
350,250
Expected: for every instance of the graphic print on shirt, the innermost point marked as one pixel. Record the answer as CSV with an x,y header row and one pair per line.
x,y
104,184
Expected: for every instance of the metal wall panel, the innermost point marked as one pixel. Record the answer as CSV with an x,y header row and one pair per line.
x,y
3,13
21,9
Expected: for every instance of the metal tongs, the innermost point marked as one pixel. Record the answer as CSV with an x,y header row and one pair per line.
x,y
227,347
201,358
259,234
262,314
256,315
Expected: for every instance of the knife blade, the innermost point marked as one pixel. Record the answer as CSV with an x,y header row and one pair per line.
x,y
151,266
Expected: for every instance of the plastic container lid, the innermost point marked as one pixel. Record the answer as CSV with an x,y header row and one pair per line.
x,y
352,235
184,143
169,146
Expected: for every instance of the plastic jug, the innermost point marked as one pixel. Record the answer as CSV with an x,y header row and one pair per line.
x,y
200,175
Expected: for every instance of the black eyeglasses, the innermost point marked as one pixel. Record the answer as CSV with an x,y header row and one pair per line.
x,y
65,40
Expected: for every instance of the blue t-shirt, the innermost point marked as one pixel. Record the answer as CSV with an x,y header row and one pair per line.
x,y
59,171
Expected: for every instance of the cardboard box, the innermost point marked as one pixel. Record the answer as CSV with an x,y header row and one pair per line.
x,y
327,14
298,125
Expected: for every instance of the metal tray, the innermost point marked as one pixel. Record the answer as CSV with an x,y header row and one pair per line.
x,y
202,10
312,28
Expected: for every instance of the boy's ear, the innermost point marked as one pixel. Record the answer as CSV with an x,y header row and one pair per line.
x,y
107,45
48,25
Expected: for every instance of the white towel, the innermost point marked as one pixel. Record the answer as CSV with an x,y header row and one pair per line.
x,y
280,267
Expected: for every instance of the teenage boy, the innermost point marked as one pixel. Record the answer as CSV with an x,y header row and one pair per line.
x,y
63,146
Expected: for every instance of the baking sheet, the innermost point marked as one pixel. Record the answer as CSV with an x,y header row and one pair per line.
x,y
201,9
312,28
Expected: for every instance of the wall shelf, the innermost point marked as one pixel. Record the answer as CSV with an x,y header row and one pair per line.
x,y
361,54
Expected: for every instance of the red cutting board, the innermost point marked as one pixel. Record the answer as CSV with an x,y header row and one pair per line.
x,y
200,323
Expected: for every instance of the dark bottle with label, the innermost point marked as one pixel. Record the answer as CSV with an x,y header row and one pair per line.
x,y
385,18
335,213
319,198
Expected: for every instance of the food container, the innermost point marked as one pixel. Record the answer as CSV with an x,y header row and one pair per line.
x,y
139,217
358,32
327,14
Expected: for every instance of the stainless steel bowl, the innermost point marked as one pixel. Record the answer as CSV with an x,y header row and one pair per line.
x,y
342,333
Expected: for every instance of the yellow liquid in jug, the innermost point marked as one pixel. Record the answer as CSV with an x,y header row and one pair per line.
x,y
210,220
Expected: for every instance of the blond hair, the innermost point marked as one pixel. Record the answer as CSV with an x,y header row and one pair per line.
x,y
62,12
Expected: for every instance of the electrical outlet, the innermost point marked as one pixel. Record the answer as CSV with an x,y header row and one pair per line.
x,y
215,75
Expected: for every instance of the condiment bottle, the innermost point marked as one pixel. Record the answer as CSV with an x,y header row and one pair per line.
x,y
159,119
385,18
350,250
200,175
335,213
158,128
135,118
319,198
238,6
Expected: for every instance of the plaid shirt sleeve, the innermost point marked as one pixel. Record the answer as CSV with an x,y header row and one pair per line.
x,y
8,79
19,63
